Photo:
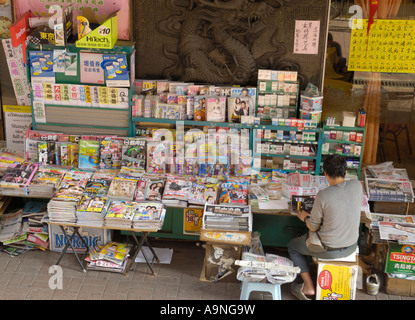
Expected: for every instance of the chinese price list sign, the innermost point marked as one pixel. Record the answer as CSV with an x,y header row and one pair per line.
x,y
389,47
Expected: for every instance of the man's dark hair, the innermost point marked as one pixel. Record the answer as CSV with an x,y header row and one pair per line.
x,y
335,166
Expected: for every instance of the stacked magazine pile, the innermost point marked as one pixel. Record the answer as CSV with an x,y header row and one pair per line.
x,y
90,210
122,188
17,178
111,257
46,181
120,213
149,215
227,218
177,190
62,207
385,183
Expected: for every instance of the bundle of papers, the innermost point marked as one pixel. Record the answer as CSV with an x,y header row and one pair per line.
x,y
17,178
227,217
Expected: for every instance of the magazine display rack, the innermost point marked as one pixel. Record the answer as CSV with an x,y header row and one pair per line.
x,y
346,141
78,90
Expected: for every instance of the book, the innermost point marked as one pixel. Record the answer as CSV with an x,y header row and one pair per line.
x,y
88,157
216,109
134,152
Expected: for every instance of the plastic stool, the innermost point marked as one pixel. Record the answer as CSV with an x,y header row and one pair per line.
x,y
248,287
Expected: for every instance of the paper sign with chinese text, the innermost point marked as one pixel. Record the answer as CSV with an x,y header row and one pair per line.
x,y
388,48
306,36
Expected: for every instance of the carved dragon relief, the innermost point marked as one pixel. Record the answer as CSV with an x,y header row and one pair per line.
x,y
215,39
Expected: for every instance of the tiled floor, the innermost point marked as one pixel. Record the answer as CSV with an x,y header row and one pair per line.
x,y
26,277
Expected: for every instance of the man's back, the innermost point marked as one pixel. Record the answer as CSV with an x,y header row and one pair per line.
x,y
336,214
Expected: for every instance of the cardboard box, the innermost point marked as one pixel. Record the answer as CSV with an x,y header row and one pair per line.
x,y
400,287
92,236
336,280
349,119
103,37
226,237
400,259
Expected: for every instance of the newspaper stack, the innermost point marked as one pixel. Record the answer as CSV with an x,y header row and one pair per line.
x,y
112,257
10,225
227,217
46,181
275,269
120,213
149,215
62,207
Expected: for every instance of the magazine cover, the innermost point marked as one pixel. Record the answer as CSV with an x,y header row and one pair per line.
x,y
156,157
110,154
200,108
97,187
48,176
88,154
72,185
216,109
73,155
134,152
122,188
19,174
177,188
121,209
140,193
154,189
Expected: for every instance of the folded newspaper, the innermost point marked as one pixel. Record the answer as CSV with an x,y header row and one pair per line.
x,y
275,269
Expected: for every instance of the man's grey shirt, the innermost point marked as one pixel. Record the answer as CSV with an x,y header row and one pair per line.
x,y
336,214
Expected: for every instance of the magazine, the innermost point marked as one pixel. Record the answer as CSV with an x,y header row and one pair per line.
x,y
216,109
156,157
177,188
200,108
134,152
110,153
89,154
72,186
122,188
154,189
97,187
18,174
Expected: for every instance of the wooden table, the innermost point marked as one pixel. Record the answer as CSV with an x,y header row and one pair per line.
x,y
136,249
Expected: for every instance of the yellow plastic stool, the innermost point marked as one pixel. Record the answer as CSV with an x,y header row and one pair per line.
x,y
248,287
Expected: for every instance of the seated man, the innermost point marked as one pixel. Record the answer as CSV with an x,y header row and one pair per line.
x,y
335,217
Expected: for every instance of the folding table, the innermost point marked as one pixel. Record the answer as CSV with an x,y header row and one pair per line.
x,y
138,244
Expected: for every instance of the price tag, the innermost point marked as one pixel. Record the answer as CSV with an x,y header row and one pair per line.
x,y
104,31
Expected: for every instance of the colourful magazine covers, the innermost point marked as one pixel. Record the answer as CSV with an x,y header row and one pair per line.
x,y
154,189
121,209
88,154
72,186
92,204
19,174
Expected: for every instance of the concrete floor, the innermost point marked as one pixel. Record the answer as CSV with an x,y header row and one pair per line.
x,y
26,277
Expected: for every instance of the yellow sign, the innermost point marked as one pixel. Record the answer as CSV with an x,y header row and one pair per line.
x,y
335,282
192,220
390,46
